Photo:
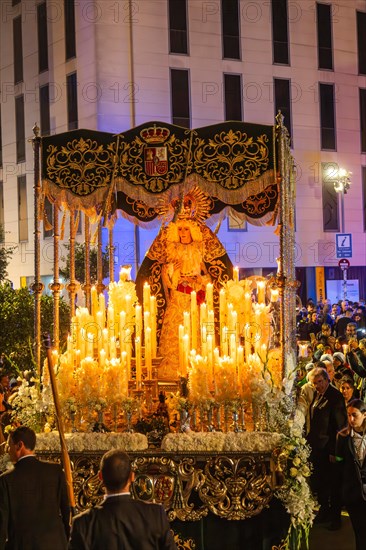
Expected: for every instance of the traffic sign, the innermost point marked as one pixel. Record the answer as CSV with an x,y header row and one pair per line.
x,y
344,245
344,264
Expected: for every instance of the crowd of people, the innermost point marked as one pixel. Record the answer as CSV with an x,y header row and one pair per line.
x,y
332,396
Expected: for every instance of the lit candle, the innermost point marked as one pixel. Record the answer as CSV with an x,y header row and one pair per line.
x,y
274,295
181,350
122,324
125,273
209,296
105,340
194,319
146,297
222,306
138,321
261,285
102,357
102,305
153,326
187,325
148,362
138,362
203,313
224,341
90,345
236,274
112,348
94,301
185,355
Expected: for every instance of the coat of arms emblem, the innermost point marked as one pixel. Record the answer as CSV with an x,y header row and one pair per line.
x,y
155,156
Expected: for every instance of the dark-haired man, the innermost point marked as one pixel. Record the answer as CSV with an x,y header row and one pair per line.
x,y
120,521
34,509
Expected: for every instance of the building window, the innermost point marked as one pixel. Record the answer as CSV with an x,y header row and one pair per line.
x,y
20,128
178,35
47,219
22,209
364,196
327,117
361,41
233,97
42,37
324,27
70,38
330,198
44,103
179,83
363,119
280,32
230,29
18,49
282,101
72,101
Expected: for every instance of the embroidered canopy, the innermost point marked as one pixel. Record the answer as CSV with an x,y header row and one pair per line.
x,y
143,170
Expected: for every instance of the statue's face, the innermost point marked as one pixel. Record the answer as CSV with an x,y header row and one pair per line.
x,y
184,233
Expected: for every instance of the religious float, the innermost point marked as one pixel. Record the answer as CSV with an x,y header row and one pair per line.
x,y
190,368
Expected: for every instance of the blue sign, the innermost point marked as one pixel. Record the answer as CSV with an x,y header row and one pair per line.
x,y
344,245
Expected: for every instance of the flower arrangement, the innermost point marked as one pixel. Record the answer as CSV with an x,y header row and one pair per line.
x,y
295,492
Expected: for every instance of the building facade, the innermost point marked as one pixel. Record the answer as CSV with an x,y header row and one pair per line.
x,y
110,65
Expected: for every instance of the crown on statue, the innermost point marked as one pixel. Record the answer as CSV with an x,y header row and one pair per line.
x,y
155,134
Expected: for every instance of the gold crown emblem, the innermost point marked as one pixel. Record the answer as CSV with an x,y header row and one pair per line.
x,y
155,134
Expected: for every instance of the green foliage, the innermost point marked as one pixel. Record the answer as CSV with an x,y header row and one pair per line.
x,y
5,255
17,325
80,263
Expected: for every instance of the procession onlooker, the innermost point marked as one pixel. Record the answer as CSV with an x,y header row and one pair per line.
x,y
351,451
327,417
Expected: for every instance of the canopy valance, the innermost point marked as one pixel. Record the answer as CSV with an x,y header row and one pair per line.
x,y
142,170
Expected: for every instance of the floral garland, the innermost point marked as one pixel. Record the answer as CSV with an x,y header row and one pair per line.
x,y
295,492
92,441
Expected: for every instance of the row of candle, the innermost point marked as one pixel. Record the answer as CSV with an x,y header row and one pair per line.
x,y
198,329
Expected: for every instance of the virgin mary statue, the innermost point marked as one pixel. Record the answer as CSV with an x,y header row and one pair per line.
x,y
184,257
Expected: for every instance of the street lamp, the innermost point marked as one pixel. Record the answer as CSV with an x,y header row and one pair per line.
x,y
341,182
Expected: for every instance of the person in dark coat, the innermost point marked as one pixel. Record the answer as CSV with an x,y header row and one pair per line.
x,y
34,509
120,521
327,417
351,451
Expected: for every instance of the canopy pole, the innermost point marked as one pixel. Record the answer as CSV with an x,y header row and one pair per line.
x,y
136,232
37,285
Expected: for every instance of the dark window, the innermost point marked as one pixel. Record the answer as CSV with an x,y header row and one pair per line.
x,y
20,128
70,39
22,209
2,211
363,119
179,82
230,29
280,31
42,37
361,41
330,197
44,103
364,196
47,219
324,25
18,49
72,101
178,26
233,95
282,99
327,117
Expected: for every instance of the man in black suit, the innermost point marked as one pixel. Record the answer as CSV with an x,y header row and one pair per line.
x,y
120,521
34,509
327,417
